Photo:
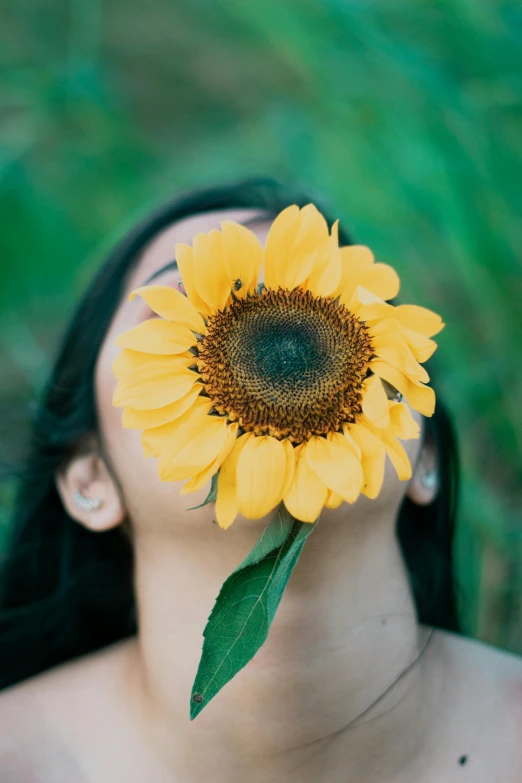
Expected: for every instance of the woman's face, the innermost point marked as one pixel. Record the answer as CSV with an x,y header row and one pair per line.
x,y
150,502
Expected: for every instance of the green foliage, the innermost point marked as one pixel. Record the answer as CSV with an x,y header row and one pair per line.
x,y
407,115
212,495
246,605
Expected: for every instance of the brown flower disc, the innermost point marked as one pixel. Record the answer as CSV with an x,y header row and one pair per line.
x,y
285,363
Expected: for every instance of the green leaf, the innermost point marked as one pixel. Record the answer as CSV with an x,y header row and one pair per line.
x,y
246,605
274,534
212,495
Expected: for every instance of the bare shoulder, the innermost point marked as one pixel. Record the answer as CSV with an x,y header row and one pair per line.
x,y
39,718
485,667
482,688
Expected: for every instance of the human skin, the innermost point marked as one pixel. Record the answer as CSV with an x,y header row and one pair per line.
x,y
294,690
347,686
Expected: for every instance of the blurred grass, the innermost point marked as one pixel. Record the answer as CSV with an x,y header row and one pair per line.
x,y
408,116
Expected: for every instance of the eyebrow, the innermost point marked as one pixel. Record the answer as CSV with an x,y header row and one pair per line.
x,y
172,265
158,272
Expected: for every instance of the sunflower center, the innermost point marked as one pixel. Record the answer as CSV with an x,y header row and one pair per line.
x,y
285,363
286,352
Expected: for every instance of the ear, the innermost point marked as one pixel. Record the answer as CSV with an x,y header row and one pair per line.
x,y
424,483
87,473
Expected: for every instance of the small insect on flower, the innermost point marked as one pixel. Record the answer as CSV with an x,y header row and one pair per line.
x,y
287,391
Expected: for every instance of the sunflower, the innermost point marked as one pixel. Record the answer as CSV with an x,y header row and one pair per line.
x,y
289,389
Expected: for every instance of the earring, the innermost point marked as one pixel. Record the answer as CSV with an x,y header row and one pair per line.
x,y
429,480
86,504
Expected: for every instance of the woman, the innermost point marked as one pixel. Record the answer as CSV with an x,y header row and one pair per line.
x,y
109,581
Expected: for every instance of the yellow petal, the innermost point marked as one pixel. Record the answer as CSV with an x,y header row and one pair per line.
x,y
349,442
421,347
194,447
157,439
358,298
420,319
242,255
383,327
261,473
172,305
158,337
383,318
402,423
200,479
278,244
326,273
154,386
296,240
336,466
393,349
226,500
367,297
127,361
333,500
185,260
310,243
210,275
375,401
290,464
382,280
419,397
374,311
307,493
397,455
147,419
373,458
355,261
389,343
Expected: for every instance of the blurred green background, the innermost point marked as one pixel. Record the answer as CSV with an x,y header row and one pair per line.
x,y
407,116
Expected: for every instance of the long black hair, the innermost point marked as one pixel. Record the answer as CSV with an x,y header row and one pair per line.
x,y
66,591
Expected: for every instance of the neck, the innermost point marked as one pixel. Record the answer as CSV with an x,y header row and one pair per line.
x,y
341,667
